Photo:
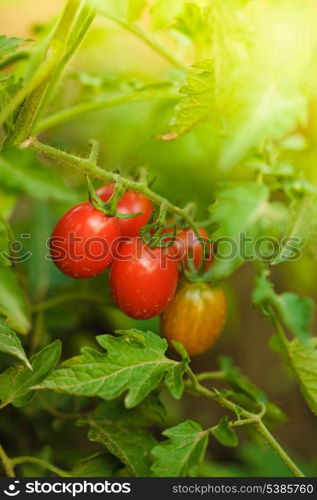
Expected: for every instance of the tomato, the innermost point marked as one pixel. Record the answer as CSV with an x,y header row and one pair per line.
x,y
82,242
195,317
131,202
143,280
187,246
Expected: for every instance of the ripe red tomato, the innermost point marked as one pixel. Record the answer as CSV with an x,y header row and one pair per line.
x,y
195,317
143,280
187,246
82,243
131,202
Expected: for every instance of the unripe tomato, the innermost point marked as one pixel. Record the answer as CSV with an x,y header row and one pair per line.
x,y
130,203
143,280
83,241
187,246
195,317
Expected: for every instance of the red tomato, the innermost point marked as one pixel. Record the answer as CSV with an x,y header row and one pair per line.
x,y
131,202
143,280
82,242
187,246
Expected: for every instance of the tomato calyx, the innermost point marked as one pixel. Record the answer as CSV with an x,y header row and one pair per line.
x,y
110,207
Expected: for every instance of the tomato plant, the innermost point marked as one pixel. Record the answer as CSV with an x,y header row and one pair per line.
x,y
194,125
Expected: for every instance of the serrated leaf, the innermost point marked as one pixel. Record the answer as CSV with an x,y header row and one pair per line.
x,y
128,366
121,433
13,304
23,173
240,224
224,433
98,465
17,382
184,449
11,344
196,106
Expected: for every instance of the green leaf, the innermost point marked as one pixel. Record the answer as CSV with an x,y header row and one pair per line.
x,y
98,465
240,224
17,382
224,433
184,449
8,45
13,304
11,344
20,171
295,312
120,432
301,228
302,360
192,23
196,106
128,366
238,381
275,110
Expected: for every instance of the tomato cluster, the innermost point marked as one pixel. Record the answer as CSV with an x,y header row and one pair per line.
x,y
143,279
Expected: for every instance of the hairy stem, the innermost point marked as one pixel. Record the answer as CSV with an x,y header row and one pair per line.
x,y
89,166
62,299
245,417
38,461
7,463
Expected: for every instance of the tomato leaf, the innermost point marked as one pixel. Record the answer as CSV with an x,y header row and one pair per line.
x,y
11,344
16,382
240,224
13,304
128,366
4,243
184,449
224,433
98,465
119,431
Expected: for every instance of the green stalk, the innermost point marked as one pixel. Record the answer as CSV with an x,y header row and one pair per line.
x,y
89,166
33,91
245,417
87,107
38,461
7,463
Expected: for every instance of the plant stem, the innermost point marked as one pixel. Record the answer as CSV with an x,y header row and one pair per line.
x,y
86,107
61,299
7,463
265,433
43,463
245,417
210,375
88,166
154,44
16,57
34,90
